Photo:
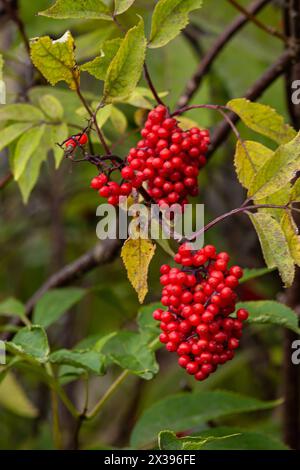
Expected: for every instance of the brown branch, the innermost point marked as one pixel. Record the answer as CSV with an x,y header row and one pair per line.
x,y
222,40
102,253
257,22
151,85
254,92
5,180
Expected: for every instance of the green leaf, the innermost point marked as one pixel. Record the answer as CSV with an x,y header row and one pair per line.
x,y
280,198
89,360
98,67
137,254
118,120
125,69
59,135
21,112
187,410
147,325
254,273
290,230
56,59
248,159
26,146
31,343
51,107
274,245
295,191
83,9
131,351
169,18
122,5
271,312
30,175
220,438
12,132
55,303
277,171
14,399
263,119
13,307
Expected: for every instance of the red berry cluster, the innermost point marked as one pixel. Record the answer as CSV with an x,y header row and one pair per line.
x,y
200,298
167,158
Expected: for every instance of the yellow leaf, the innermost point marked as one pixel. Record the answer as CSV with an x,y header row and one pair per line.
x,y
137,254
56,59
291,233
248,158
262,119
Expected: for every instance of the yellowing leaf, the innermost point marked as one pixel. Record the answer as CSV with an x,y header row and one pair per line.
x,y
280,198
56,59
169,18
125,69
13,398
98,67
249,157
277,171
137,254
262,119
274,245
295,192
85,9
291,232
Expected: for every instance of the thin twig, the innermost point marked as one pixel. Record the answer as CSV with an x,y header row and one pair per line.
x,y
208,59
259,23
151,86
6,179
14,15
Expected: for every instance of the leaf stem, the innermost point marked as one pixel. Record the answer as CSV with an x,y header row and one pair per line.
x,y
238,210
151,85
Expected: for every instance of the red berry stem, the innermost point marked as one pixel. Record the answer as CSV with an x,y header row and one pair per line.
x,y
151,85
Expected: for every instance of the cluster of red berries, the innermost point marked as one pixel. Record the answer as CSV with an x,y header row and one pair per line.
x,y
167,159
200,298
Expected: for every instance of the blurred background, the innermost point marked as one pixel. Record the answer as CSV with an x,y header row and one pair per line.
x,y
58,224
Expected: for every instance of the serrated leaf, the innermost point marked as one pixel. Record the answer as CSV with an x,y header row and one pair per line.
x,y
137,255
26,146
82,9
187,410
98,67
51,107
271,312
169,18
118,120
125,69
290,230
20,112
220,438
30,342
59,134
248,159
55,59
14,399
277,171
131,352
12,132
122,5
262,119
90,360
55,303
254,273
274,245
